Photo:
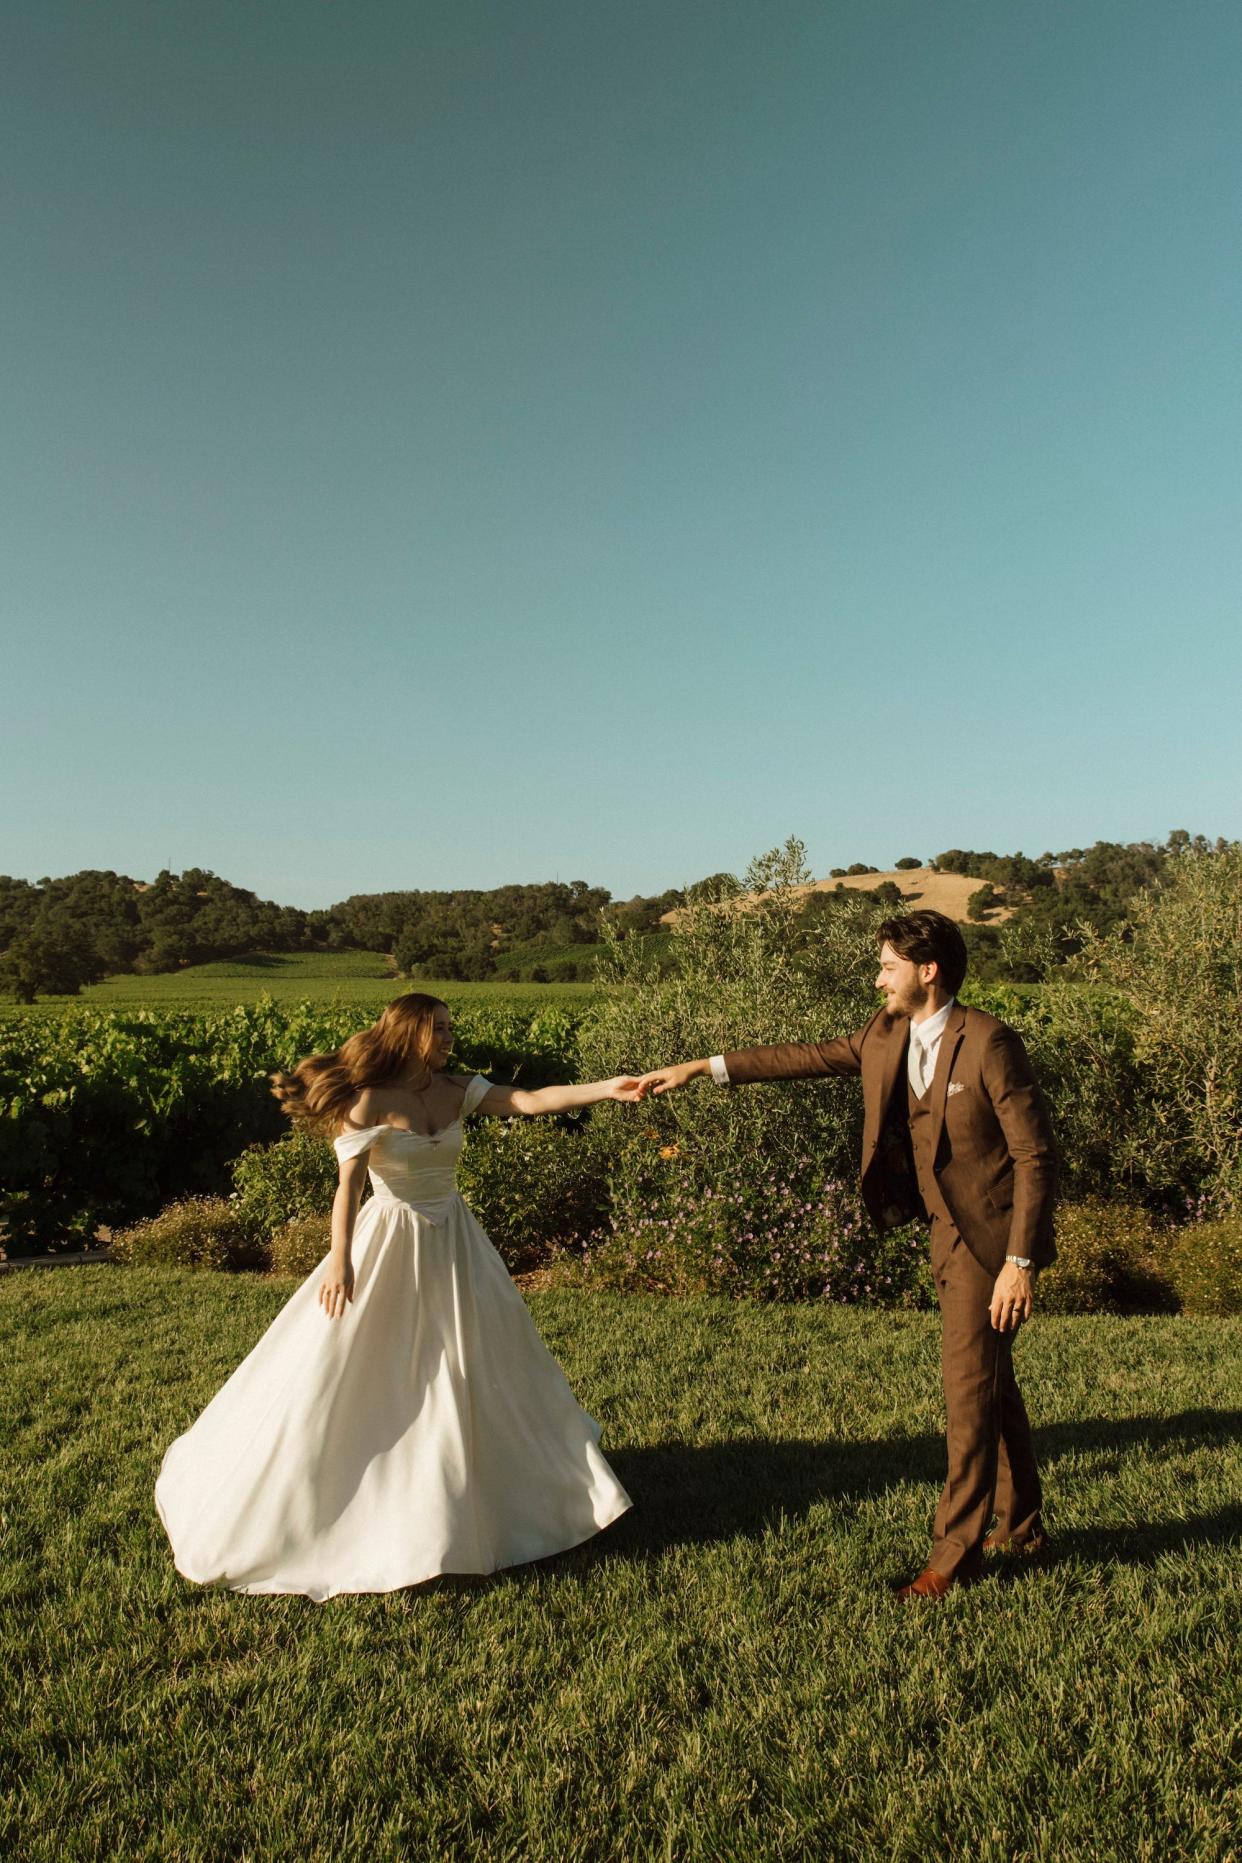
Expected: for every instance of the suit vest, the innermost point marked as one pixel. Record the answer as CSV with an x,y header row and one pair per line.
x,y
921,1145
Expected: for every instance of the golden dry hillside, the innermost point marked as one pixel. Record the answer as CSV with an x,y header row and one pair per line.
x,y
919,886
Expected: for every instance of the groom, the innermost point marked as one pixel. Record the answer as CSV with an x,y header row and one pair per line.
x,y
954,1131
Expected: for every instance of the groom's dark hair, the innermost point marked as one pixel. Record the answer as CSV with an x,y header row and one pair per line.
x,y
928,938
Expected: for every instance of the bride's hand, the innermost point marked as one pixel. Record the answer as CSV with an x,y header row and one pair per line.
x,y
337,1287
625,1087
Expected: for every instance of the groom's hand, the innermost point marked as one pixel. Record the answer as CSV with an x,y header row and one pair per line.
x,y
1013,1298
664,1079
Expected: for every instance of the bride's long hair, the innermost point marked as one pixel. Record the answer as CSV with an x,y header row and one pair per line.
x,y
322,1088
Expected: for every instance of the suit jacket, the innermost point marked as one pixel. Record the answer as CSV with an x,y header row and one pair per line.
x,y
993,1153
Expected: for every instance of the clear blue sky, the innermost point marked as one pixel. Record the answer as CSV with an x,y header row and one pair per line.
x,y
450,443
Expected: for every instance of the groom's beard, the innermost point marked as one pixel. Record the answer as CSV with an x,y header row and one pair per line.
x,y
908,1002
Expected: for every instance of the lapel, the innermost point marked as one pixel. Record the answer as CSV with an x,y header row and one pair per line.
x,y
890,1064
950,1042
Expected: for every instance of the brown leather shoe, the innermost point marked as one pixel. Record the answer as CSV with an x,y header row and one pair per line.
x,y
928,1584
1016,1549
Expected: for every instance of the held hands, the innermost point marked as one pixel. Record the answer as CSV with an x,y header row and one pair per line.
x,y
337,1287
1013,1298
665,1079
624,1087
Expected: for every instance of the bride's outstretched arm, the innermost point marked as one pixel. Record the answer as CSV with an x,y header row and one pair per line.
x,y
336,1289
531,1101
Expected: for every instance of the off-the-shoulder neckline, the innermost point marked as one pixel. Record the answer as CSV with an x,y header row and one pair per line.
x,y
402,1131
439,1132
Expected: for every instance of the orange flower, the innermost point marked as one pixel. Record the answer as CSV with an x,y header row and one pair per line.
x,y
670,1151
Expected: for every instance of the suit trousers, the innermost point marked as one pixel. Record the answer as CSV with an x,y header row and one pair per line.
x,y
991,1457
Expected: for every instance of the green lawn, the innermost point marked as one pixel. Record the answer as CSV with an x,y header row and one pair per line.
x,y
363,977
722,1675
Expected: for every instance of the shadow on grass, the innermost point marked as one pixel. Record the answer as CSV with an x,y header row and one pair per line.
x,y
1137,1545
687,1495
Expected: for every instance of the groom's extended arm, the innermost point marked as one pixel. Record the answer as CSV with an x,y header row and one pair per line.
x,y
799,1060
792,1060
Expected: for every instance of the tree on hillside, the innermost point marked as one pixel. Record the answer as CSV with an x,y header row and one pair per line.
x,y
961,860
54,958
19,905
981,903
715,888
1094,892
469,923
635,918
178,919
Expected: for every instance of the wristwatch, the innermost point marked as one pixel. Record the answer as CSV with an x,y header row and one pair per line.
x,y
1019,1261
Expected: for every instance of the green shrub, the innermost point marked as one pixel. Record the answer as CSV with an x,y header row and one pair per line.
x,y
1102,1104
548,963
751,1192
276,1217
299,1246
767,973
297,1176
757,1233
1176,964
1205,1266
106,1116
201,1232
1110,1259
533,1184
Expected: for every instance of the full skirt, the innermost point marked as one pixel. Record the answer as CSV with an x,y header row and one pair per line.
x,y
427,1431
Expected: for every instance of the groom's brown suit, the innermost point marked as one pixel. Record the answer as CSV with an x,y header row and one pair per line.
x,y
975,1156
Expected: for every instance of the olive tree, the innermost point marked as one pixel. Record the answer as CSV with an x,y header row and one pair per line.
x,y
756,968
1176,965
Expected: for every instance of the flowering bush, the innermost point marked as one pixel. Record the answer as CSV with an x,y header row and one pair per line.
x,y
299,1245
1205,1266
199,1232
768,1233
1109,1260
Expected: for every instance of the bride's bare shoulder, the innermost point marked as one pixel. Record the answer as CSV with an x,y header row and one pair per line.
x,y
367,1109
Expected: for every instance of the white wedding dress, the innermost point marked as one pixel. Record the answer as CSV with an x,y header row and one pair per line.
x,y
428,1430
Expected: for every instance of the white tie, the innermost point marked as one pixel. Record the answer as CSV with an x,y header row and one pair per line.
x,y
920,1064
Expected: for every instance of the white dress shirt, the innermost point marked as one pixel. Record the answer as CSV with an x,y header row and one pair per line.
x,y
924,1048
920,1062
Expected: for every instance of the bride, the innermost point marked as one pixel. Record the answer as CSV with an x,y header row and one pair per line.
x,y
401,1417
